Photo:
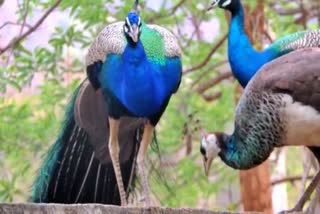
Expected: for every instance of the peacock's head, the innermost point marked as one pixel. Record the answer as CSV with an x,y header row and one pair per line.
x,y
225,4
132,27
211,145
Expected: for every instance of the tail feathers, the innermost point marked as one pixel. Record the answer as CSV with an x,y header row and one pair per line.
x,y
80,177
75,170
40,186
161,176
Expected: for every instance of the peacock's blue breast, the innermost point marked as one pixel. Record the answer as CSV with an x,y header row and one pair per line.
x,y
139,84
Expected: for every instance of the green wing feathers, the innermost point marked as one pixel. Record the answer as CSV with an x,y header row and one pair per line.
x,y
171,45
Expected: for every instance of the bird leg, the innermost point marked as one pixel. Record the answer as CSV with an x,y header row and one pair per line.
x,y
306,195
146,140
114,153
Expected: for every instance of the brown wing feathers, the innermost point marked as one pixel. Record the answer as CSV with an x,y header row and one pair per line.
x,y
296,73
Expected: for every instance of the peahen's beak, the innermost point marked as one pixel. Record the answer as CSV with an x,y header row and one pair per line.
x,y
213,5
134,33
207,164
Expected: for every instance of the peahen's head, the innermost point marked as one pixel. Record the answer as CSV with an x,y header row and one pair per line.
x,y
211,145
231,5
132,27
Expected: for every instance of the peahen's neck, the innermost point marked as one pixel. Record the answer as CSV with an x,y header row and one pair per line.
x,y
244,153
245,61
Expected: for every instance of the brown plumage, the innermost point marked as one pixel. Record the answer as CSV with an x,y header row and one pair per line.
x,y
296,74
91,112
279,107
78,167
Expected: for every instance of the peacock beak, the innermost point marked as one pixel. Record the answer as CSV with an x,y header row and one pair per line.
x,y
213,5
134,33
207,164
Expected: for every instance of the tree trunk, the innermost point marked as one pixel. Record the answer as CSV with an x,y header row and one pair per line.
x,y
255,183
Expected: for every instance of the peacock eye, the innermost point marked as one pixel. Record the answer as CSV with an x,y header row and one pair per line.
x,y
203,151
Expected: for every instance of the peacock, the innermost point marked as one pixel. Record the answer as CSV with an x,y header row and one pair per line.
x,y
78,168
241,51
137,68
279,107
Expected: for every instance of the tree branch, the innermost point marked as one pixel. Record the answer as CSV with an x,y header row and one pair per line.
x,y
13,23
216,80
212,97
24,17
211,68
15,41
170,13
289,179
206,60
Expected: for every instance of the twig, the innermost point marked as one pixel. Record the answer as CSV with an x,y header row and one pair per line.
x,y
24,17
206,60
212,97
13,23
196,26
218,64
175,8
202,88
170,13
191,38
15,41
289,179
266,33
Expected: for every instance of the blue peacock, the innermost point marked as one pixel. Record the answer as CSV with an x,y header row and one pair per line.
x,y
137,67
253,148
241,51
133,69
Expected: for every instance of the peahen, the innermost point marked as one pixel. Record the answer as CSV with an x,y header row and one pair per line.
x,y
244,60
137,67
78,167
279,107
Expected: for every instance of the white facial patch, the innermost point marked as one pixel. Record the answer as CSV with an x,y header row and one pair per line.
x,y
215,2
126,30
226,3
129,24
209,143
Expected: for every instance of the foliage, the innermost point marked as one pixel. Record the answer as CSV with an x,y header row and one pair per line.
x,y
30,122
28,126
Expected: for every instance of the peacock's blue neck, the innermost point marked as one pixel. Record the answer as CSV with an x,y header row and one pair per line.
x,y
245,61
134,54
